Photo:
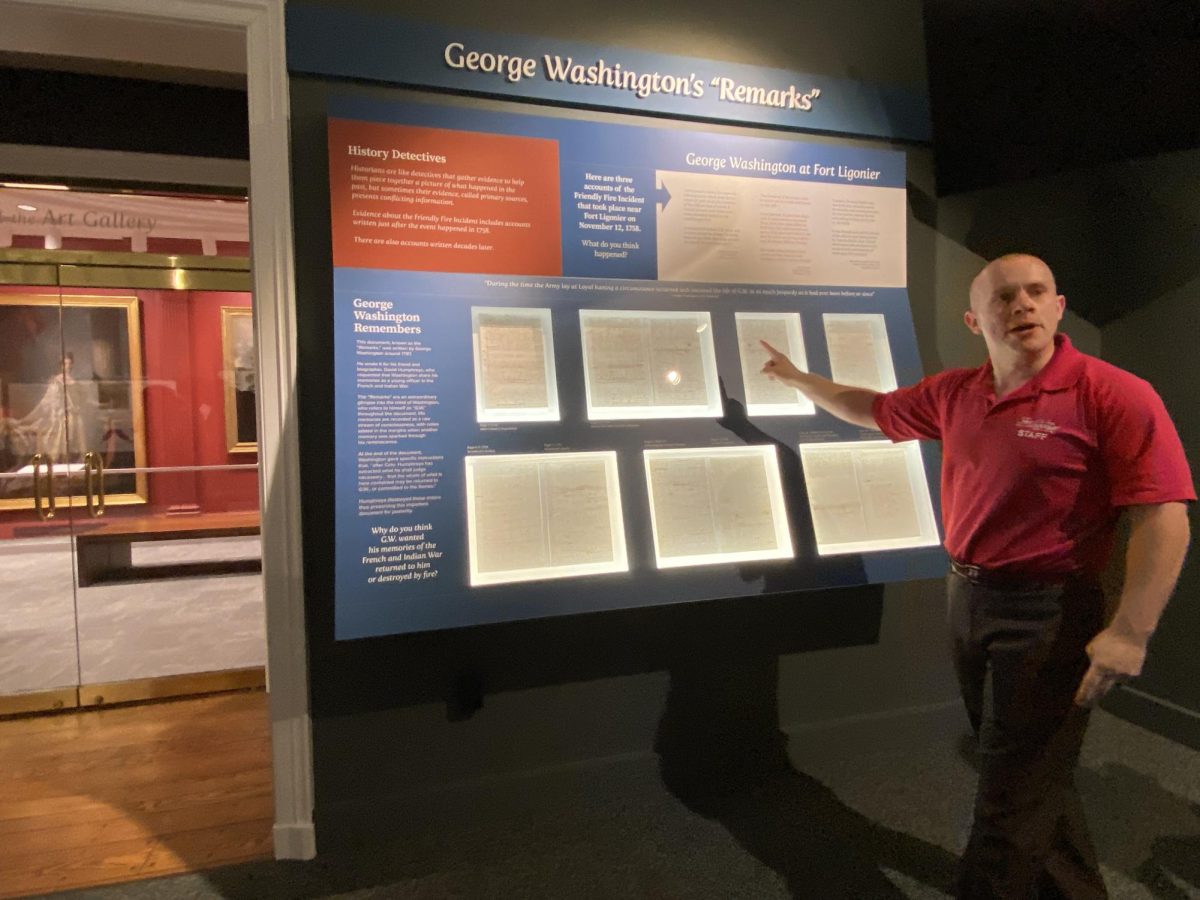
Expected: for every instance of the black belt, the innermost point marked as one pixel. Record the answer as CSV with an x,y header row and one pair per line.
x,y
999,578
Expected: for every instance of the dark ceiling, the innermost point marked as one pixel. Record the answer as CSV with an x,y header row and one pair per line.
x,y
1020,90
100,112
1025,88
1093,92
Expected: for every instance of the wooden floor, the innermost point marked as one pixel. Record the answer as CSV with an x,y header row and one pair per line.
x,y
101,796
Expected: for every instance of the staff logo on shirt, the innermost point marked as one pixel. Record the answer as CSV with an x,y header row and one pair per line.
x,y
1035,429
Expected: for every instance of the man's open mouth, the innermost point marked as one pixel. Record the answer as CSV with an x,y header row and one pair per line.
x,y
1024,328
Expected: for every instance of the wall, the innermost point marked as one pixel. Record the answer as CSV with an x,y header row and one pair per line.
x,y
1134,261
185,402
957,265
397,716
216,491
1158,342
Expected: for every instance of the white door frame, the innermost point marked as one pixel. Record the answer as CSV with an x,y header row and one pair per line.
x,y
275,323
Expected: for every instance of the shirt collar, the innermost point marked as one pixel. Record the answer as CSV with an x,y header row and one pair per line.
x,y
1064,368
1060,373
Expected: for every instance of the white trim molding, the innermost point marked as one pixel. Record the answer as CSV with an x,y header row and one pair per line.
x,y
275,323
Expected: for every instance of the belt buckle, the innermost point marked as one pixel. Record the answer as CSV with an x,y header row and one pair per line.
x,y
969,572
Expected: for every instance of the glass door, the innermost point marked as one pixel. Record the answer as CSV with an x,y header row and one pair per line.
x,y
168,575
129,520
41,468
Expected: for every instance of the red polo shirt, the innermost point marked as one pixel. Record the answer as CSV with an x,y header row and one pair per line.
x,y
1033,483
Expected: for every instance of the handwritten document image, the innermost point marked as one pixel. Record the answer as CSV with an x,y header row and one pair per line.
x,y
868,495
514,365
649,365
716,505
782,331
543,515
859,354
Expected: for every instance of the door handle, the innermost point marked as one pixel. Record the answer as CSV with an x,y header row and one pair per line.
x,y
43,503
93,469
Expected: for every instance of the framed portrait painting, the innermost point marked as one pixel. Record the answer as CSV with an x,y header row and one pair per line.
x,y
237,341
70,387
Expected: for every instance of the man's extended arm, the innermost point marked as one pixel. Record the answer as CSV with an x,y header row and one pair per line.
x,y
851,404
1158,541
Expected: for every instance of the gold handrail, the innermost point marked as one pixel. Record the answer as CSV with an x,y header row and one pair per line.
x,y
93,469
45,510
50,482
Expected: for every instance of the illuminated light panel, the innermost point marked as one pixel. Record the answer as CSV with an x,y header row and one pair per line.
x,y
868,496
711,505
535,516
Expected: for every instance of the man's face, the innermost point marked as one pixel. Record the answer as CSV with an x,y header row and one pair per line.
x,y
1016,307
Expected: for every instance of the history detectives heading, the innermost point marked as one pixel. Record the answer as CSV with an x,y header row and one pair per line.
x,y
693,160
566,70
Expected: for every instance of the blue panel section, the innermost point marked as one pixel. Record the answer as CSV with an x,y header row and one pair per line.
x,y
341,43
400,520
443,598
608,219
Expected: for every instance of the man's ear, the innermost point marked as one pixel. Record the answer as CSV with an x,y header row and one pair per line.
x,y
972,322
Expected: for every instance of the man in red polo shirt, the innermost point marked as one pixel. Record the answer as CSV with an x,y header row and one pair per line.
x,y
1044,447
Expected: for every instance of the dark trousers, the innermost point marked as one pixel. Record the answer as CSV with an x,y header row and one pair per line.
x,y
1020,655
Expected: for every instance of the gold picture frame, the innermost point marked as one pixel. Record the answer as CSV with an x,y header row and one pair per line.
x,y
241,379
71,383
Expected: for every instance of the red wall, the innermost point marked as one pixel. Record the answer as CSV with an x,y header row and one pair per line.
x,y
218,490
185,400
184,403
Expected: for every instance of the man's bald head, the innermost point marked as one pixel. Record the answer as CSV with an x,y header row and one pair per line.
x,y
1016,307
986,281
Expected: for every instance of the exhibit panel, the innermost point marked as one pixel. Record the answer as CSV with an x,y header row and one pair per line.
x,y
514,365
716,505
388,49
766,396
867,496
649,364
859,354
542,515
637,336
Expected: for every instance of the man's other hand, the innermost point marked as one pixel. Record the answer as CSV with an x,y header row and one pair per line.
x,y
1115,657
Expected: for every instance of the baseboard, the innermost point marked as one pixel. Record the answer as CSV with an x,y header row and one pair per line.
x,y
295,841
38,702
139,690
1172,721
170,686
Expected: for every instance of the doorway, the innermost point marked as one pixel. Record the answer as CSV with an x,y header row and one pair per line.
x,y
246,36
129,542
129,511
